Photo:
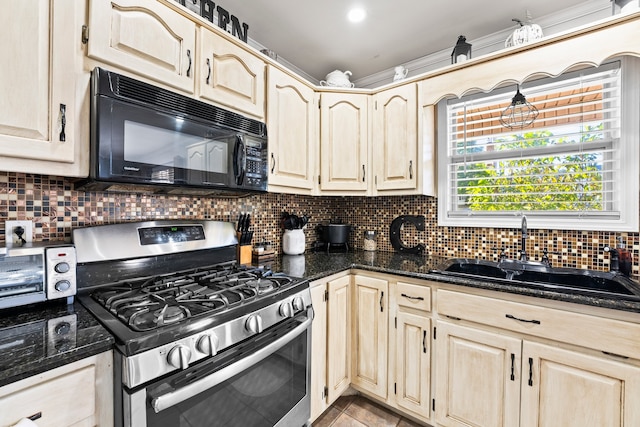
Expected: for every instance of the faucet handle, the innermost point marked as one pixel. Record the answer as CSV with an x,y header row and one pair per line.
x,y
614,258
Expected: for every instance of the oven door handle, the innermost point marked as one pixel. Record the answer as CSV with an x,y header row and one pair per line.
x,y
168,400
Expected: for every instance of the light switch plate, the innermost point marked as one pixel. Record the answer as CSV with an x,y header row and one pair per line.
x,y
10,235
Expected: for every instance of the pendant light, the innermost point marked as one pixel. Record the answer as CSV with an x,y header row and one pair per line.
x,y
520,113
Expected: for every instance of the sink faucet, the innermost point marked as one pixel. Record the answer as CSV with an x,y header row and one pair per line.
x,y
523,244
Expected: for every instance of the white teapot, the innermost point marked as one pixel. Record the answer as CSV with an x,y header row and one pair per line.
x,y
338,78
400,73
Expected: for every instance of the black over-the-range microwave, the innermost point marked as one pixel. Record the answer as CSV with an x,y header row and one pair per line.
x,y
145,138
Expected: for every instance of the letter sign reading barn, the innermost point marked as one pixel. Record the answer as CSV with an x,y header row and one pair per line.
x,y
207,9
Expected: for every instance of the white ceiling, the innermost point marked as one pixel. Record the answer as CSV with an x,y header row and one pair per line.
x,y
316,37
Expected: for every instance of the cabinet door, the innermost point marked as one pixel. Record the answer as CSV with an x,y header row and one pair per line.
x,y
292,125
38,127
230,76
344,141
318,351
413,363
370,332
395,138
569,389
339,337
477,379
146,38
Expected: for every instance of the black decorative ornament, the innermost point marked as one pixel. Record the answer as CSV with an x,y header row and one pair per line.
x,y
394,233
461,51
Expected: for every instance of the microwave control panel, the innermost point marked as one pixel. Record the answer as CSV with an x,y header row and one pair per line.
x,y
256,172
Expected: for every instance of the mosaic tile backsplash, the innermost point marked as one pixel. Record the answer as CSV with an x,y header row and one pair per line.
x,y
55,208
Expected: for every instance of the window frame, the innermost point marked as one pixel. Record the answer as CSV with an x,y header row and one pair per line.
x,y
629,142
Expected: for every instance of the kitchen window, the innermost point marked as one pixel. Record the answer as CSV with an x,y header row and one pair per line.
x,y
575,167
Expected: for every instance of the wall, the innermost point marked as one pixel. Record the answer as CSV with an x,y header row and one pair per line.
x,y
56,208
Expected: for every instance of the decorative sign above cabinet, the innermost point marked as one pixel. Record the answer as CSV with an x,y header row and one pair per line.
x,y
207,8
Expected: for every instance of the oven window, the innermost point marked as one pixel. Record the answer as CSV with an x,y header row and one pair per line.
x,y
259,396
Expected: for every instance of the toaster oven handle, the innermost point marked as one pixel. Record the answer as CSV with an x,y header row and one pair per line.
x,y
170,399
239,160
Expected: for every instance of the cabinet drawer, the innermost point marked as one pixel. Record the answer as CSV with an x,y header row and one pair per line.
x,y
594,332
413,296
61,400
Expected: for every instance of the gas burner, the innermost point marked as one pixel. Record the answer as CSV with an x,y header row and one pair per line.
x,y
262,285
148,318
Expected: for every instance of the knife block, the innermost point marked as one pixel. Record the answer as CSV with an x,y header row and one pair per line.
x,y
244,252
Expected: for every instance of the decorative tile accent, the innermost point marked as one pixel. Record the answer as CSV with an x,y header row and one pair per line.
x,y
56,208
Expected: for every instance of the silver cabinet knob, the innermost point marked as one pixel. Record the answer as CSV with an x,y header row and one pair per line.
x,y
286,310
208,344
298,304
254,324
179,356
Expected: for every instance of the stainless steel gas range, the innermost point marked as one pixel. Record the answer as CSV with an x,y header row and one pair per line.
x,y
200,340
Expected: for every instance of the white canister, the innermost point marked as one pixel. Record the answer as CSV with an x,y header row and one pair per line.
x,y
293,242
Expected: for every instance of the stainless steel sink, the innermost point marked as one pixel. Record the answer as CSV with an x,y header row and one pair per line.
x,y
541,276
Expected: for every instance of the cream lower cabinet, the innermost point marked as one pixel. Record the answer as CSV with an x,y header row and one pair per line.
x,y
532,366
40,119
474,382
331,341
77,394
292,113
410,369
370,334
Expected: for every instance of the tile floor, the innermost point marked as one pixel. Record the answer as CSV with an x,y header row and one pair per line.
x,y
358,411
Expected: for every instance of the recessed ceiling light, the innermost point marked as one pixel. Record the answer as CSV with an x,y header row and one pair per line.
x,y
357,14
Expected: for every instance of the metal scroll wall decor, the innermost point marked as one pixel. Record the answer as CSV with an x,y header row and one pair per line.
x,y
208,9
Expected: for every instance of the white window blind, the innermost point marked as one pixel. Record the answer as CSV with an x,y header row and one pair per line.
x,y
568,163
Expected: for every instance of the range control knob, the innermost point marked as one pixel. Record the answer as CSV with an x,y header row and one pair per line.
x,y
254,324
298,304
207,344
62,267
286,310
179,356
62,285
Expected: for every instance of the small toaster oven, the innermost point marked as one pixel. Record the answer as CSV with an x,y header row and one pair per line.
x,y
36,272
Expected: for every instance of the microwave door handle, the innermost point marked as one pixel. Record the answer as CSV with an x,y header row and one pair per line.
x,y
239,160
170,399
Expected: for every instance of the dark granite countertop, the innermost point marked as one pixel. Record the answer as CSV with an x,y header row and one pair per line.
x,y
316,265
40,337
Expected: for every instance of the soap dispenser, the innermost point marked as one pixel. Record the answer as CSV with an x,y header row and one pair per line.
x,y
625,257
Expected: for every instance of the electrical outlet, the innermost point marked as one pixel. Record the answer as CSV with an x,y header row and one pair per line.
x,y
11,236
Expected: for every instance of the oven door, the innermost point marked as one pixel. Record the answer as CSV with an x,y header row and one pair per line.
x,y
261,382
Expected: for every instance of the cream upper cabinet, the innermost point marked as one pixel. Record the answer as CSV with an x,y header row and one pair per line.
x,y
570,389
146,38
370,334
230,76
318,349
395,139
344,143
477,378
76,394
292,113
40,119
339,337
